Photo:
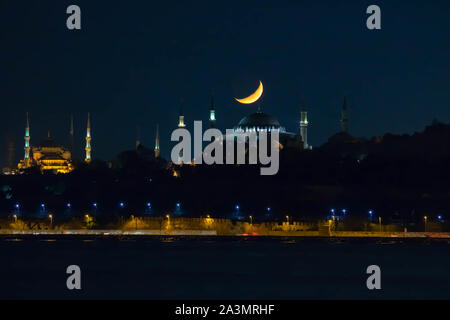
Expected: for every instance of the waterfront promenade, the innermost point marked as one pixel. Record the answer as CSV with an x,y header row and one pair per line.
x,y
334,234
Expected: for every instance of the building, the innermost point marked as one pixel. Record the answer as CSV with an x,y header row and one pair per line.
x,y
181,125
263,122
304,128
157,142
212,114
88,148
50,157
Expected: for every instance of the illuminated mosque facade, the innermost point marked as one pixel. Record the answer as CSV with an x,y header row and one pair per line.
x,y
262,122
48,156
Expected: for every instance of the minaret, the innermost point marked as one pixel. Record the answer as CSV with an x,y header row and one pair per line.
x,y
181,123
344,116
157,142
304,127
27,143
88,140
212,114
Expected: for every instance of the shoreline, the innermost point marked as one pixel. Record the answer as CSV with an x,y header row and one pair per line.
x,y
214,233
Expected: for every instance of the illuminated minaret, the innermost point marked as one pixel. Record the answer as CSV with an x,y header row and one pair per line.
x,y
212,114
304,127
27,143
88,140
157,142
344,116
181,123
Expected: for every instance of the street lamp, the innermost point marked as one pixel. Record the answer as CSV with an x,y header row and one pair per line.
x,y
426,219
15,218
379,221
87,219
287,219
51,220
251,219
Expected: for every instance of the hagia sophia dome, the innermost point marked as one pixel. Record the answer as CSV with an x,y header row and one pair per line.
x,y
259,121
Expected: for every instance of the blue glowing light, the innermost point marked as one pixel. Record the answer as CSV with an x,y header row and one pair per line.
x,y
17,206
95,204
237,207
122,204
42,205
149,204
332,210
68,205
344,211
268,209
371,212
439,217
178,204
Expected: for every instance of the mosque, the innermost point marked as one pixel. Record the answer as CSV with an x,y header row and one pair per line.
x,y
262,122
51,157
48,156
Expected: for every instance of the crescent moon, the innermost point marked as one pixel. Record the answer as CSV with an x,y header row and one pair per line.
x,y
253,97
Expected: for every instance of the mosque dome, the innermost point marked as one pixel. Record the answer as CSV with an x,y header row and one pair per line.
x,y
259,120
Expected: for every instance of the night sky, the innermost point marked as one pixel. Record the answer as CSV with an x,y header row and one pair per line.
x,y
134,61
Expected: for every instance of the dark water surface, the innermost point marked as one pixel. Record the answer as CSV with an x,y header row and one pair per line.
x,y
34,267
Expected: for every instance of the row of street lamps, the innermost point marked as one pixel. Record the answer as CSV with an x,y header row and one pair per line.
x,y
88,220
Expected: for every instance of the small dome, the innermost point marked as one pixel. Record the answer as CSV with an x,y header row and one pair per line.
x,y
259,119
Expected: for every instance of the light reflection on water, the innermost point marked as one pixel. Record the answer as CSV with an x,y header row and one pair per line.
x,y
168,239
289,241
237,241
389,242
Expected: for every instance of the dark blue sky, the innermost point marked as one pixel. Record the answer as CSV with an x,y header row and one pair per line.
x,y
133,61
